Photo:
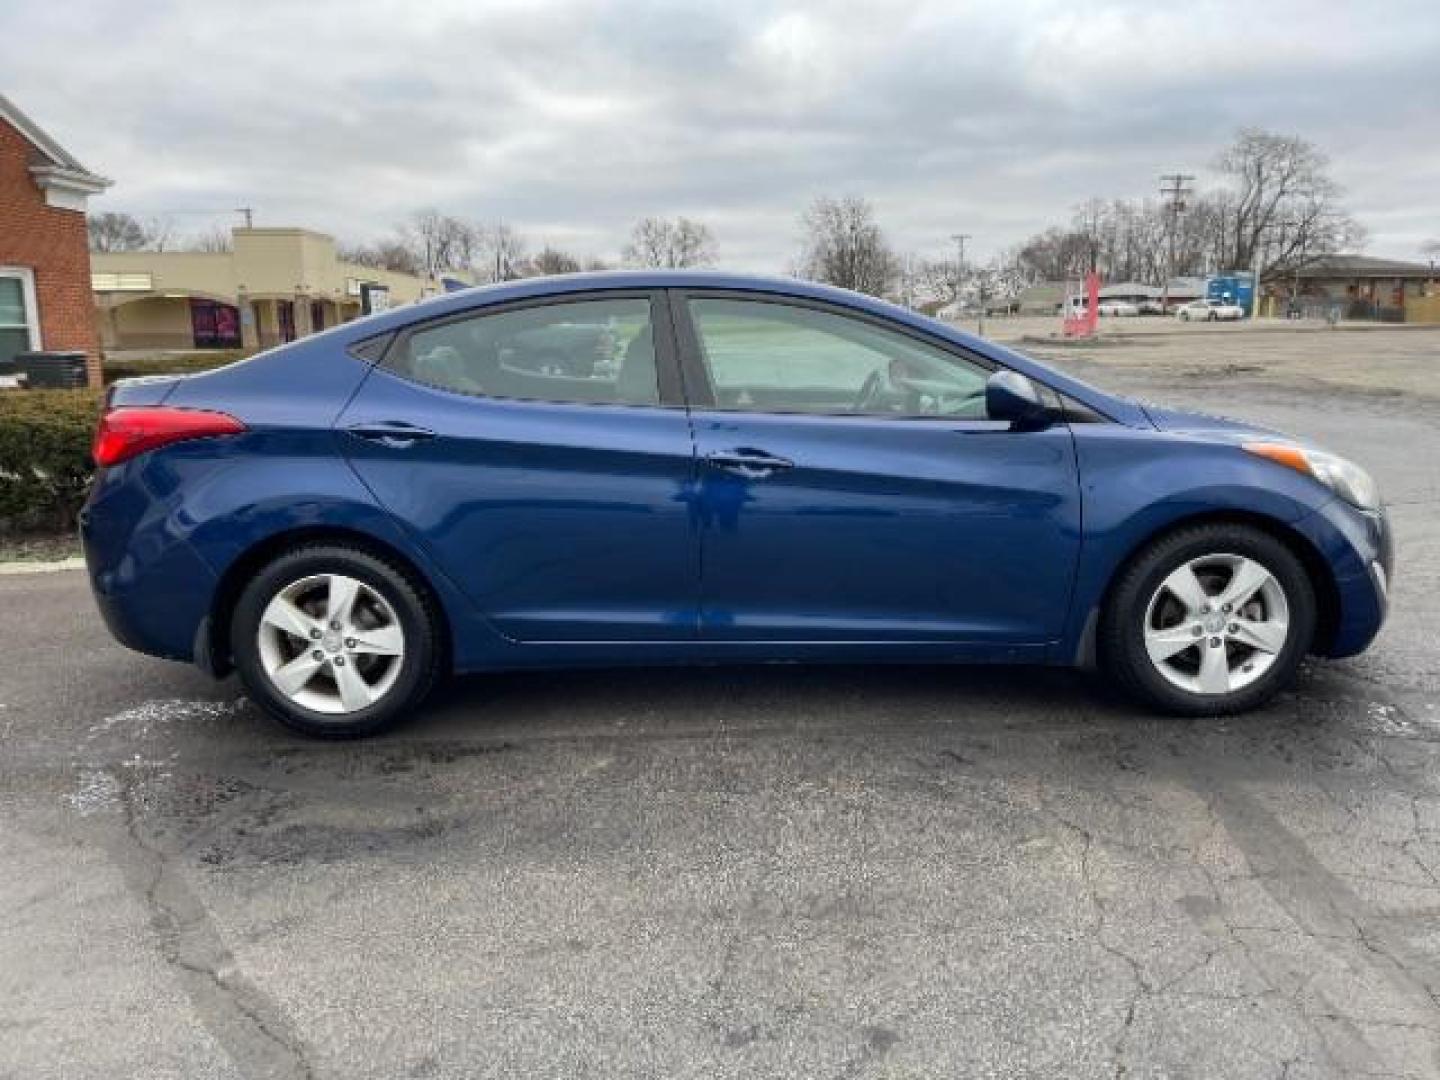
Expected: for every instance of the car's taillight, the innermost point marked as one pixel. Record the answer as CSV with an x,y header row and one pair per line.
x,y
131,430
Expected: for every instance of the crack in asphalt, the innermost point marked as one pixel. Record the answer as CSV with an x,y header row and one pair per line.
x,y
1323,909
245,1021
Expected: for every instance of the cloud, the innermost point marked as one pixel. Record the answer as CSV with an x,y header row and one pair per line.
x,y
571,119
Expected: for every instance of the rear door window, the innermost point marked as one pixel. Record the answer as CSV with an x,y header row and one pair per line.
x,y
597,351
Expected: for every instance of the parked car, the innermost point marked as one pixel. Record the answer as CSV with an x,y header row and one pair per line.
x,y
1209,311
1151,307
347,518
1118,308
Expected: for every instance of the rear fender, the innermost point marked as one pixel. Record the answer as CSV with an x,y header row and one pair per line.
x,y
226,497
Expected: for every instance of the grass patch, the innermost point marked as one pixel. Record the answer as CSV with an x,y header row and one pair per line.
x,y
44,547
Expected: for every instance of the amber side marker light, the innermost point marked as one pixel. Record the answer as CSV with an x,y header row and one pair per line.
x,y
128,431
1291,456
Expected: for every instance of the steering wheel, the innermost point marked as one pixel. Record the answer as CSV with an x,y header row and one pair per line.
x,y
869,391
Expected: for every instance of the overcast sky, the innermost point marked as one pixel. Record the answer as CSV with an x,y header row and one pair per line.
x,y
570,120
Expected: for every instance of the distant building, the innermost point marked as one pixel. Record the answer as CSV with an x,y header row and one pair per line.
x,y
1131,292
1042,298
273,286
1048,297
44,246
1361,286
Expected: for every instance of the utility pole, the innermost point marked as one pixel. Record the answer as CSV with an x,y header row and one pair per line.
x,y
983,295
959,239
1175,188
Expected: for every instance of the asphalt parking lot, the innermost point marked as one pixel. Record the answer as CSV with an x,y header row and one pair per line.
x,y
850,872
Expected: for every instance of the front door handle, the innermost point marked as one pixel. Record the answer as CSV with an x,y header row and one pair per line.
x,y
746,462
396,434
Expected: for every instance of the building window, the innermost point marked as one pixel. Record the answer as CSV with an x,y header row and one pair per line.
x,y
215,325
19,322
285,319
109,282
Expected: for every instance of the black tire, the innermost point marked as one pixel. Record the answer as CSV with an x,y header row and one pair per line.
x,y
416,611
1121,639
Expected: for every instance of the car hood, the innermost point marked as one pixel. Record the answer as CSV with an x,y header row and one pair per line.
x,y
1182,421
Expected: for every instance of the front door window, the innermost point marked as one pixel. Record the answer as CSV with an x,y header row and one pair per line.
x,y
781,358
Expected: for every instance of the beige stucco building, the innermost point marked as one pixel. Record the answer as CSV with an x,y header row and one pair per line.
x,y
273,286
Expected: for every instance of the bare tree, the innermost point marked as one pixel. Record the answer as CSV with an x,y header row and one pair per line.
x,y
1054,255
392,254
160,231
935,281
1286,207
842,245
1280,209
215,240
116,231
500,254
440,241
666,244
549,260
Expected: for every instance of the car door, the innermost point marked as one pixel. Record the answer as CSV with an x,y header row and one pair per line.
x,y
851,487
542,454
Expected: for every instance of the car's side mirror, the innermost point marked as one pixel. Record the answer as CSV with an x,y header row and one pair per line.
x,y
1011,396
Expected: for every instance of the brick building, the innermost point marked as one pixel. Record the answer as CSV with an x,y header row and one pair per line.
x,y
45,297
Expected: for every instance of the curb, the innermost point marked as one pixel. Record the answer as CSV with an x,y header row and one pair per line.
x,y
21,566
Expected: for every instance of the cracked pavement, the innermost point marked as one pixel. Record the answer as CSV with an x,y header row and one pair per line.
x,y
848,872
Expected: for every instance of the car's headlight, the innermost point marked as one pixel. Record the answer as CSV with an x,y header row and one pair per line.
x,y
1345,478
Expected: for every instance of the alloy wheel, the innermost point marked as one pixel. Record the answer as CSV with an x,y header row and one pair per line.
x,y
331,643
1216,624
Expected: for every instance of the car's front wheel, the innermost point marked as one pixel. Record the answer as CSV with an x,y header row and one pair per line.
x,y
335,642
1209,620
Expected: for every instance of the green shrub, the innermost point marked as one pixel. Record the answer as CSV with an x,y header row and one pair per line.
x,y
45,462
186,363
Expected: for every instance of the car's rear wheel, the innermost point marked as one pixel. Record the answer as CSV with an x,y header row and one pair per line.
x,y
1210,620
335,642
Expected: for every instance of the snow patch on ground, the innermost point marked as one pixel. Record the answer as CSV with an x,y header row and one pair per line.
x,y
97,792
102,789
149,716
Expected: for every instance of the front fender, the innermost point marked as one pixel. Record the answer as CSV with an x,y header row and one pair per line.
x,y
1137,484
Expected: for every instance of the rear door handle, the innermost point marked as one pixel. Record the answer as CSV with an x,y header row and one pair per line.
x,y
393,433
749,463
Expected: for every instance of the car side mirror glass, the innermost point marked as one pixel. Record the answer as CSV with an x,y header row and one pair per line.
x,y
1011,396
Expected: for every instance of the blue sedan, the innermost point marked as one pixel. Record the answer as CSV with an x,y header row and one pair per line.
x,y
679,467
